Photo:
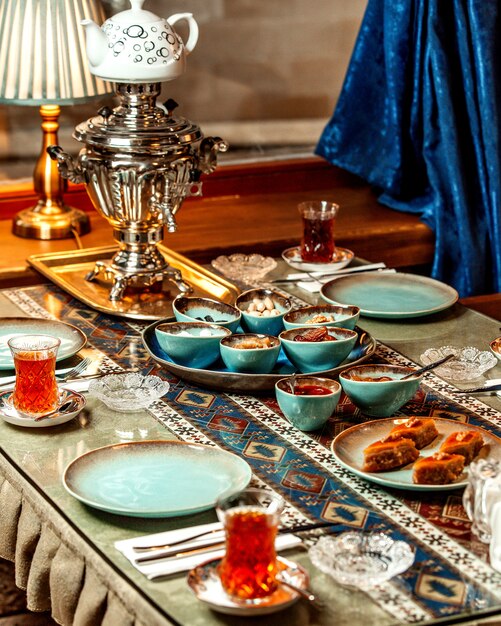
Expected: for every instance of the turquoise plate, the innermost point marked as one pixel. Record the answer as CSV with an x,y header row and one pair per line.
x,y
155,478
72,339
390,295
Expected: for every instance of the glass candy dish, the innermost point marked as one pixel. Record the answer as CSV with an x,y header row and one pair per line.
x,y
361,559
469,362
244,267
128,392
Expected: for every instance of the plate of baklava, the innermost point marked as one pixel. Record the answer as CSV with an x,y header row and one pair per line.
x,y
417,453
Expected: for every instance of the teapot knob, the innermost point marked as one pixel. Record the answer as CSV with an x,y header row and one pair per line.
x,y
170,105
136,5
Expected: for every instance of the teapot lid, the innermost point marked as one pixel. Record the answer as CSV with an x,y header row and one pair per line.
x,y
135,15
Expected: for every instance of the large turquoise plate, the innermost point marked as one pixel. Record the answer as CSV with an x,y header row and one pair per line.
x,y
72,338
155,478
390,295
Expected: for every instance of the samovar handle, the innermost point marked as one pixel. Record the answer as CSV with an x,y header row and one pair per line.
x,y
65,164
209,147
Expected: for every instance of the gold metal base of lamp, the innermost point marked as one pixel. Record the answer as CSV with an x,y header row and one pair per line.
x,y
50,218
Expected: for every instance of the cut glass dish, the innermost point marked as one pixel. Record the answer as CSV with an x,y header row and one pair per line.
x,y
469,363
361,559
244,267
128,392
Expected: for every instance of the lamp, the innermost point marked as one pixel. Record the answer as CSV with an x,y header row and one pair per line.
x,y
43,62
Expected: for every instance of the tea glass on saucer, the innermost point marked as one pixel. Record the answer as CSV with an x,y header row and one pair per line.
x,y
35,388
249,568
317,244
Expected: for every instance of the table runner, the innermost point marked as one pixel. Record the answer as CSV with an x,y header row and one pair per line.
x,y
450,575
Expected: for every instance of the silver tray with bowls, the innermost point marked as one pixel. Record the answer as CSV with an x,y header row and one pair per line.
x,y
217,375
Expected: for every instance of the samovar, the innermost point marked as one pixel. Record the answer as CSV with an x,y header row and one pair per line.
x,y
139,161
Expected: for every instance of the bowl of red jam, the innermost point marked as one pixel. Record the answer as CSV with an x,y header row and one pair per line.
x,y
307,401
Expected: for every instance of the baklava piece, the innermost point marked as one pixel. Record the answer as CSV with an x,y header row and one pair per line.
x,y
422,431
389,454
439,469
467,443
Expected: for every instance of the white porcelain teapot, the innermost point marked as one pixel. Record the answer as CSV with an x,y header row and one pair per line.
x,y
137,46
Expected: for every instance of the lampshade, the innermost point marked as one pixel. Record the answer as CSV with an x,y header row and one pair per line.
x,y
43,61
42,52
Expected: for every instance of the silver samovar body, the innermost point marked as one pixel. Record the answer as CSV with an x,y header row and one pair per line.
x,y
139,163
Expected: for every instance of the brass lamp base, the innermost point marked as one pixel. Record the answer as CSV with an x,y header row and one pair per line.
x,y
50,218
63,224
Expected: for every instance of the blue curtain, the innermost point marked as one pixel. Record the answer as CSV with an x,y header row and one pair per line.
x,y
419,117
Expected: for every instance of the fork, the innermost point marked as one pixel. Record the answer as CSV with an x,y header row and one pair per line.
x,y
74,371
78,369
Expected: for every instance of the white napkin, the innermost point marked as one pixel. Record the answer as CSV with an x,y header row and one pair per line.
x,y
312,286
174,565
77,385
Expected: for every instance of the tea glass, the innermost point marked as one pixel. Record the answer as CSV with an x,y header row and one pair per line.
x,y
35,390
317,244
482,492
248,569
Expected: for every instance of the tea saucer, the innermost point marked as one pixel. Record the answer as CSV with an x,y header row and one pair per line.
x,y
292,256
205,583
12,416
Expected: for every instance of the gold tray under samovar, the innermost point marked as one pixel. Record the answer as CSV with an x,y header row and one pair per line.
x,y
68,270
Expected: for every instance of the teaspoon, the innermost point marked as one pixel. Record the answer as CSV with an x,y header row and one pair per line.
x,y
64,408
304,593
429,367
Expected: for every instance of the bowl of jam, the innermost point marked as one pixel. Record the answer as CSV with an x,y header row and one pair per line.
x,y
307,401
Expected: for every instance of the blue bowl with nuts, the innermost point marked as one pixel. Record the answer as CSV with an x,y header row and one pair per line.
x,y
263,311
250,353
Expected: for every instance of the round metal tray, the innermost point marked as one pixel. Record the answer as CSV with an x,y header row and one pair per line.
x,y
218,377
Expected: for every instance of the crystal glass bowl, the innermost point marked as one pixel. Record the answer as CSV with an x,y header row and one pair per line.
x,y
469,362
128,392
244,267
361,559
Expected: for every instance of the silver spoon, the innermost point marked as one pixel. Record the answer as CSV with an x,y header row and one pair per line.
x,y
292,382
429,367
304,593
64,408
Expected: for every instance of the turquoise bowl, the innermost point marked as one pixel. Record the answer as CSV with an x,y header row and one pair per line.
x,y
267,325
317,356
379,398
341,316
192,344
307,412
249,360
197,309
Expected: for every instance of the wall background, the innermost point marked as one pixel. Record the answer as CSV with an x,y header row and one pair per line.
x,y
264,74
